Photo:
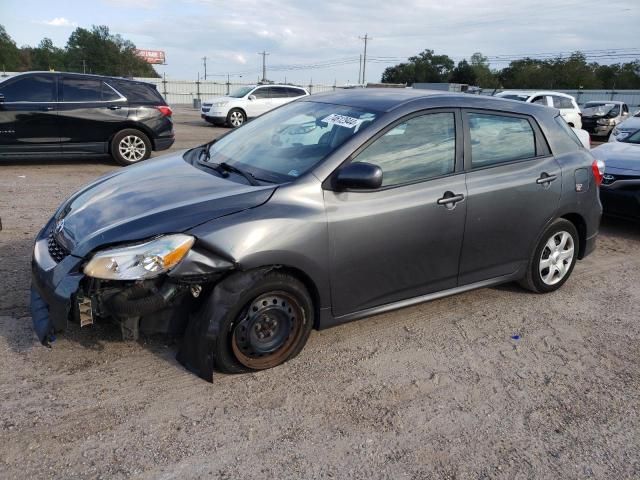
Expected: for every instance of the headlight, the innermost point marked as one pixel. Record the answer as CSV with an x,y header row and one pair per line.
x,y
220,104
137,262
604,121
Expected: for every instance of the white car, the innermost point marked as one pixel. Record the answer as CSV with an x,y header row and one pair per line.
x,y
248,102
565,103
625,128
583,136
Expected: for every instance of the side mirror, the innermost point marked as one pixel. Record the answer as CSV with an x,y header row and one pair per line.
x,y
360,176
252,97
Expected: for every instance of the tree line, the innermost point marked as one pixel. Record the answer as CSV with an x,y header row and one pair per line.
x,y
92,51
559,73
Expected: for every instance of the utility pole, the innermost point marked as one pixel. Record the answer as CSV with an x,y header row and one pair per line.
x,y
84,66
366,38
204,59
359,69
264,65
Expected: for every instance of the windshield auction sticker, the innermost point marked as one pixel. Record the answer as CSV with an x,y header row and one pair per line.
x,y
342,120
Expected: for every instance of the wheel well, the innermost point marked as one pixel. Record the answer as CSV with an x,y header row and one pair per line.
x,y
237,108
311,287
581,226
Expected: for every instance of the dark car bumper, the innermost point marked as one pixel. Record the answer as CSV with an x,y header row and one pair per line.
x,y
213,119
53,289
621,202
163,143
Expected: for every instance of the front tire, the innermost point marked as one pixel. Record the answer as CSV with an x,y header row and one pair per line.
x,y
130,146
267,326
553,258
236,118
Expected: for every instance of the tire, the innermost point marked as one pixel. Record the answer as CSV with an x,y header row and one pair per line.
x,y
236,118
130,146
553,259
273,296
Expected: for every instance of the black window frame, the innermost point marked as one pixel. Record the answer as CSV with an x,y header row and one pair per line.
x,y
295,92
54,88
266,90
64,78
458,168
540,142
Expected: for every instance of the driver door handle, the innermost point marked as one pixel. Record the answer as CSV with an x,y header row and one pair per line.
x,y
47,108
114,107
449,199
545,178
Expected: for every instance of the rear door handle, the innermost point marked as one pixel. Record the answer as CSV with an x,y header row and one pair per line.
x,y
115,107
545,178
449,199
46,109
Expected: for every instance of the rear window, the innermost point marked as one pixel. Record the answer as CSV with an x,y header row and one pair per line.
x,y
562,102
568,138
140,92
498,139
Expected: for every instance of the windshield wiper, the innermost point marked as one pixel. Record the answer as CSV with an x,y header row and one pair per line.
x,y
230,168
206,152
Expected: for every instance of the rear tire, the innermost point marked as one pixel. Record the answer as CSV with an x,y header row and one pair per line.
x,y
553,259
268,325
130,146
236,118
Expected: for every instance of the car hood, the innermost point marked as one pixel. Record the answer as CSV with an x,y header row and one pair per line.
x,y
163,195
630,124
219,99
620,158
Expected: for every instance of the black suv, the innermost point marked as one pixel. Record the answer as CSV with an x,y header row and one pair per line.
x,y
69,113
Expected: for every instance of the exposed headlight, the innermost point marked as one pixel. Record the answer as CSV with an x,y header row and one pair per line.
x,y
140,261
604,121
220,104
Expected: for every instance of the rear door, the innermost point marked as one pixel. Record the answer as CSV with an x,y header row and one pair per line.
x,y
29,115
513,190
90,112
402,240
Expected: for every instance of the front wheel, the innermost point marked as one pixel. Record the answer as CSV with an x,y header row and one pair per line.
x,y
236,118
553,259
130,146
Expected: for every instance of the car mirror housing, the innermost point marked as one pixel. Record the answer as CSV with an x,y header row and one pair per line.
x,y
359,176
251,97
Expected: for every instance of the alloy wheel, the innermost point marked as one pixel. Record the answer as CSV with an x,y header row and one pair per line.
x,y
132,148
556,257
236,118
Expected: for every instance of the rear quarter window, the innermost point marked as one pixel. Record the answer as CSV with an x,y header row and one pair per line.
x,y
140,92
564,140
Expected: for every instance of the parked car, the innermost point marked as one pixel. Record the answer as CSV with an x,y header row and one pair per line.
x,y
332,208
600,118
620,189
583,136
56,113
565,103
626,127
248,102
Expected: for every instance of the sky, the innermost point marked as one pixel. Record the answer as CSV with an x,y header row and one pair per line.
x,y
320,40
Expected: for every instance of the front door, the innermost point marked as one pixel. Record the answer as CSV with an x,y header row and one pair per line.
x,y
28,115
90,113
261,103
403,239
513,190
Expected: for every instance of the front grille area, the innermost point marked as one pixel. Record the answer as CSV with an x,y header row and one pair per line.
x,y
57,251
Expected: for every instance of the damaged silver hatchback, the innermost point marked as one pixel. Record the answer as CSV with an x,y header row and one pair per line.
x,y
328,209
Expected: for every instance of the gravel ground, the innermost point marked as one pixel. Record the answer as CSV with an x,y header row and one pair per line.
x,y
439,390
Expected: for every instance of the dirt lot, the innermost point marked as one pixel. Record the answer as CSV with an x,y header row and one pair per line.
x,y
440,390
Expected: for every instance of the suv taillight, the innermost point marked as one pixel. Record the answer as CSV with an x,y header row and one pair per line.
x,y
598,170
164,110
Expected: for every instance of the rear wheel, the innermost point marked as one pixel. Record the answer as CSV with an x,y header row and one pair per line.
x,y
553,259
130,146
236,118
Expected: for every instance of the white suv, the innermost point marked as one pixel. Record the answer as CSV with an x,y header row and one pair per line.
x,y
565,103
248,102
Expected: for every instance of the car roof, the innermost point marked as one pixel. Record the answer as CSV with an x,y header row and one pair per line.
x,y
531,93
276,85
48,72
616,102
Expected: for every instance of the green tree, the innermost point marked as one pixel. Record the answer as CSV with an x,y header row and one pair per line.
x,y
9,53
463,73
485,78
424,67
46,56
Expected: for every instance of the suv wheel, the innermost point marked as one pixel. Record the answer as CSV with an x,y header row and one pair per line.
x,y
130,146
553,259
236,118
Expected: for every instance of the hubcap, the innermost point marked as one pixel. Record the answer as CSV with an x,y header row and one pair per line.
x,y
132,148
556,258
236,119
268,330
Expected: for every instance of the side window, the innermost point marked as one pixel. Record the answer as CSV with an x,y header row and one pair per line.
x,y
279,92
542,100
261,92
81,90
498,139
420,148
562,102
138,92
295,92
625,109
35,88
108,93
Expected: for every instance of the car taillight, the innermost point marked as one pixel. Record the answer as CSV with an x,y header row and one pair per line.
x,y
598,170
164,110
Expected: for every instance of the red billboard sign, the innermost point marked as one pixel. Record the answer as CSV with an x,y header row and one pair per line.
x,y
151,56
